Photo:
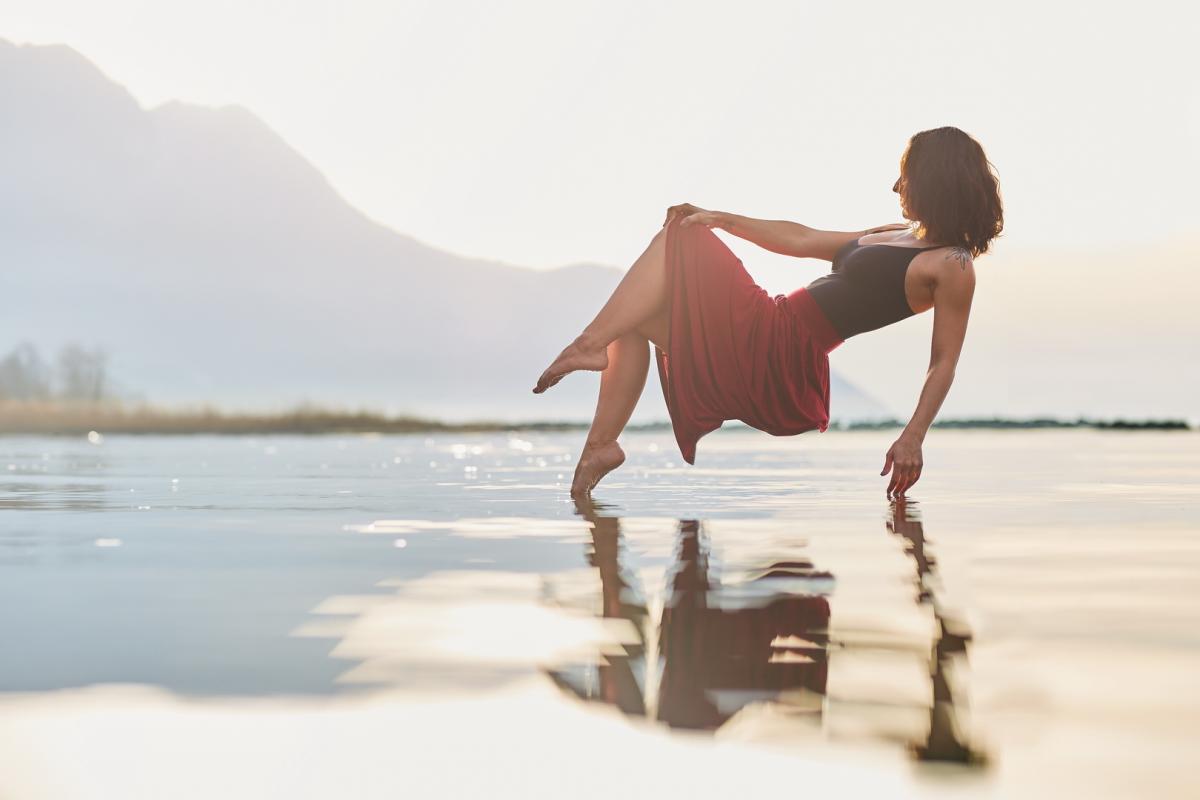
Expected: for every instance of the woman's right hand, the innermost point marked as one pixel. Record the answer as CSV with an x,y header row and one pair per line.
x,y
681,210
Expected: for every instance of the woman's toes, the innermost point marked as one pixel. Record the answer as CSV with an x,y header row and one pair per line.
x,y
595,462
573,357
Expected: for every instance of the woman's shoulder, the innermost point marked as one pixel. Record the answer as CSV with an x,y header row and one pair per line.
x,y
948,255
950,273
947,270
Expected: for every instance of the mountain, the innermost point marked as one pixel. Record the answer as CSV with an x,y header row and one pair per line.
x,y
216,265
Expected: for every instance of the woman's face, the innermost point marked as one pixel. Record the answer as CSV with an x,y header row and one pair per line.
x,y
898,188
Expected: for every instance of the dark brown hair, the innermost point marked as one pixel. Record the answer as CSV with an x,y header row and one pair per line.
x,y
951,189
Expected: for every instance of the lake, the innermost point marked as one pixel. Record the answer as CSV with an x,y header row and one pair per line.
x,y
433,616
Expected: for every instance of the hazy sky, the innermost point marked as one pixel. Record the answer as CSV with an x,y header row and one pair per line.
x,y
544,133
547,133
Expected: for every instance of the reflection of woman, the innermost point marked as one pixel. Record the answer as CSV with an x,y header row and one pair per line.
x,y
727,350
744,650
766,642
724,646
945,741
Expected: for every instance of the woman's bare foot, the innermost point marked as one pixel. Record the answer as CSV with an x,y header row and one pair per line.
x,y
579,354
596,461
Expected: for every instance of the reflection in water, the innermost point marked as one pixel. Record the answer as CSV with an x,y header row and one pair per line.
x,y
946,738
722,646
723,649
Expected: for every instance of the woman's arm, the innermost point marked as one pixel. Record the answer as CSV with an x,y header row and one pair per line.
x,y
777,235
951,308
787,238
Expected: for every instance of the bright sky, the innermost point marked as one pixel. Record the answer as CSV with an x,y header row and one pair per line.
x,y
545,133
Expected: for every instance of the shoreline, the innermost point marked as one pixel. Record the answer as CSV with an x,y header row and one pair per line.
x,y
64,420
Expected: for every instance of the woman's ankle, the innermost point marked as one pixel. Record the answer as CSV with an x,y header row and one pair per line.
x,y
589,342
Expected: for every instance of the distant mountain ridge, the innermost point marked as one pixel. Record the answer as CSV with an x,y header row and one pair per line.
x,y
215,264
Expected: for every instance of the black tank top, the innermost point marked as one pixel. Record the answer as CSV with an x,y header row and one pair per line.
x,y
865,290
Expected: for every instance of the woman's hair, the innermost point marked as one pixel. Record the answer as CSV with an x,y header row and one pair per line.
x,y
950,188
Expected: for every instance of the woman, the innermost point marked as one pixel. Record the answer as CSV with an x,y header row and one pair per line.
x,y
727,350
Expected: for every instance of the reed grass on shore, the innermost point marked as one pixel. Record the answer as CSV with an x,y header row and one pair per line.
x,y
67,419
44,418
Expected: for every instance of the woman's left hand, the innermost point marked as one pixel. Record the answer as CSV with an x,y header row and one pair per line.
x,y
709,219
904,460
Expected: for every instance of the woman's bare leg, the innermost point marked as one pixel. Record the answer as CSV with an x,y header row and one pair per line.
x,y
639,297
621,385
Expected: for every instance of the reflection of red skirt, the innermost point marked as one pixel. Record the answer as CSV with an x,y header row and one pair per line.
x,y
735,352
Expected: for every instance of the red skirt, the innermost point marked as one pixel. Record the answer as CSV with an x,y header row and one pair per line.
x,y
735,352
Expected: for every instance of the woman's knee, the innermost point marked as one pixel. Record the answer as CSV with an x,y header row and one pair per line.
x,y
655,329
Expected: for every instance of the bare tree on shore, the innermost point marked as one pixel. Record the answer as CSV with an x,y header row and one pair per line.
x,y
82,375
24,376
78,376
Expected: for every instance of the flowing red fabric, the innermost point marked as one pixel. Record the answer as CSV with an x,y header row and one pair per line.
x,y
735,352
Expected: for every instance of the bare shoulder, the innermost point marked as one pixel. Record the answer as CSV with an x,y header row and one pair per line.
x,y
959,257
951,273
954,265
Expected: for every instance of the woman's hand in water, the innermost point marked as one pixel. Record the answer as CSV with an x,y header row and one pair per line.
x,y
904,460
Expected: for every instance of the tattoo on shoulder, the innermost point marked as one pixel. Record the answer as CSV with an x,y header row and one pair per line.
x,y
961,255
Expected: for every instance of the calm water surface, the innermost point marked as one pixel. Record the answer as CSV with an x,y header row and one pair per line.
x,y
368,615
